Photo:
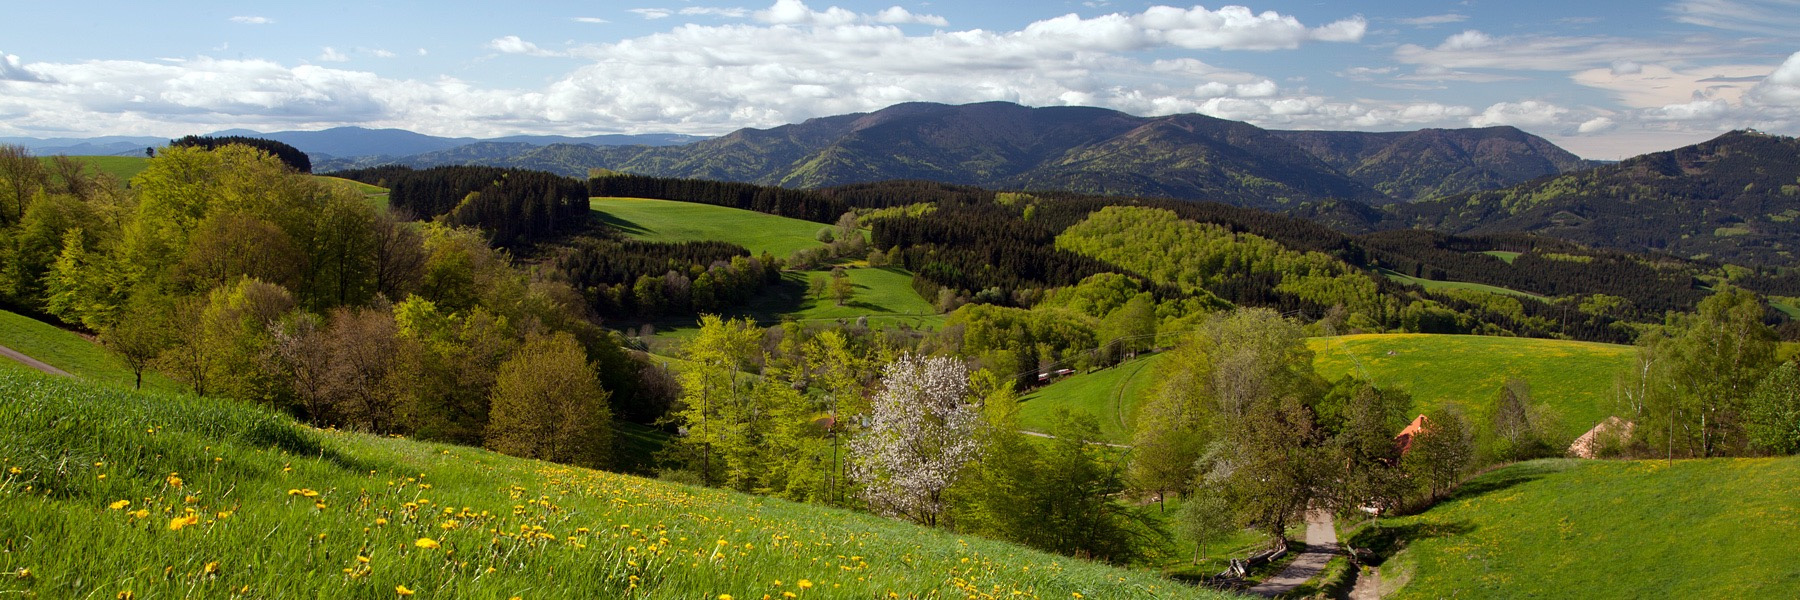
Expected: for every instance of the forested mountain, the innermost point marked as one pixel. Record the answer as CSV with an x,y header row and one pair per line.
x,y
1415,165
1733,198
1079,149
346,142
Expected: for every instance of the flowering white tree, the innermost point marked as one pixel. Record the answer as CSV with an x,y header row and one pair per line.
x,y
921,432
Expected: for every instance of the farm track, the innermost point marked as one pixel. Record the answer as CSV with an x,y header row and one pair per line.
x,y
32,362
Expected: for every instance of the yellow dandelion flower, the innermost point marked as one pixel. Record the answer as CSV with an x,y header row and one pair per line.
x,y
124,595
805,584
211,568
174,482
24,573
177,523
362,559
724,596
401,590
142,513
224,514
14,470
426,543
120,505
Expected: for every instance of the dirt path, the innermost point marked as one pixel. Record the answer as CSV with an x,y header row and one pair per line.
x,y
32,362
1048,436
1321,545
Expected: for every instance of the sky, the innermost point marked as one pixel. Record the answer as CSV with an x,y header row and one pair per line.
x,y
1604,79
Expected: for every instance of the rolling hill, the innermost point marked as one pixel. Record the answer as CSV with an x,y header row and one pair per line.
x,y
1601,529
1574,378
110,493
1081,149
1428,163
1735,197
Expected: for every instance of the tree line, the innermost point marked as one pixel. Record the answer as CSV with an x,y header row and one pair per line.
x,y
237,276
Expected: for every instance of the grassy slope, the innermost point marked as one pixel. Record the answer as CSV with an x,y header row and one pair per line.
x,y
879,291
1716,528
1573,377
1110,394
671,221
70,352
121,167
883,294
1507,256
1432,284
245,474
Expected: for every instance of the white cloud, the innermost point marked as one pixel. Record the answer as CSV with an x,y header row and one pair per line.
x,y
379,53
651,13
1765,17
1652,85
1530,113
709,79
253,20
713,11
330,54
1781,88
897,15
1432,20
796,12
1596,125
593,20
513,44
1474,49
12,68
423,52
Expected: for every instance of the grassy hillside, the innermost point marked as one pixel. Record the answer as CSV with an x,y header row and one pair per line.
x,y
885,291
671,221
70,352
107,491
1603,529
1575,378
1432,284
1111,394
121,167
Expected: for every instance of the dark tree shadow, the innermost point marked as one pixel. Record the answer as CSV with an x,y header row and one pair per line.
x,y
1383,541
622,224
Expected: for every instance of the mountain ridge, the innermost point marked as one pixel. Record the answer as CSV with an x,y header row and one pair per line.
x,y
1734,197
1069,148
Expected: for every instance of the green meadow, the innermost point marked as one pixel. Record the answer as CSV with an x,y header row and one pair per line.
x,y
1716,528
113,493
70,352
672,221
1573,378
1432,284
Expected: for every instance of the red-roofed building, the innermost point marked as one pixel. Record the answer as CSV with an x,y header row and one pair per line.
x,y
1405,439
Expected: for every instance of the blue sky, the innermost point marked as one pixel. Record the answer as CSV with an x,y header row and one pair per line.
x,y
1604,79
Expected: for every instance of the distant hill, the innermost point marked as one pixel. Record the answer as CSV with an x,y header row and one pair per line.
x,y
113,145
1081,149
1733,198
346,142
1428,163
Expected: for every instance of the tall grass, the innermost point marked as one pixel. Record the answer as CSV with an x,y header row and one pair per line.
x,y
160,495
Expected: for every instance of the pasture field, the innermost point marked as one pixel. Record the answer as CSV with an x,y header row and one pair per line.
x,y
672,221
1432,284
1714,528
1507,256
112,493
71,352
884,294
1110,395
1574,378
121,167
